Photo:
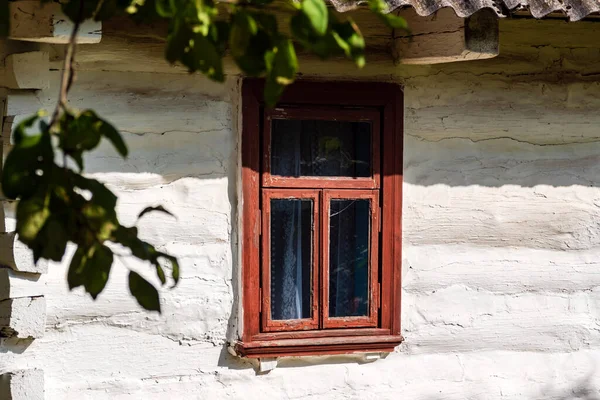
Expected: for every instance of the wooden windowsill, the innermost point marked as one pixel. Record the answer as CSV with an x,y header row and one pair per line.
x,y
318,346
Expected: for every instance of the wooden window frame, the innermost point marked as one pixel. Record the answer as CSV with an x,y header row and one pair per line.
x,y
322,113
361,97
268,324
371,320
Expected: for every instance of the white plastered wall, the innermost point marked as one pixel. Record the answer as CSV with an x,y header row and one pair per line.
x,y
501,268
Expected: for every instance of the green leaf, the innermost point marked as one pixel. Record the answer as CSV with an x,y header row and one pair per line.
x,y
178,41
21,138
252,63
380,7
350,40
145,294
140,249
285,65
110,132
97,270
219,35
157,208
174,266
161,274
267,22
53,239
164,8
79,133
243,27
205,58
101,195
75,277
29,159
301,29
32,214
19,178
317,14
282,65
90,269
394,21
78,158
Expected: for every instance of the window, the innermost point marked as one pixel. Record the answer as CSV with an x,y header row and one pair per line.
x,y
321,235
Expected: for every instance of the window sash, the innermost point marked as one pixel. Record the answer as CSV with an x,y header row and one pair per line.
x,y
370,115
370,320
320,318
269,324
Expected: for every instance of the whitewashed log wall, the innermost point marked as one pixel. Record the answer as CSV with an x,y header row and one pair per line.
x,y
501,263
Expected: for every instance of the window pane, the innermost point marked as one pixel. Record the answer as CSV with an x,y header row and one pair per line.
x,y
349,235
320,148
291,258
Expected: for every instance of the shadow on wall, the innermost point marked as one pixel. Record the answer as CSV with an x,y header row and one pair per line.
x,y
496,162
584,389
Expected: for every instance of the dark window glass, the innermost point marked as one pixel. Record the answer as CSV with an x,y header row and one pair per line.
x,y
320,148
349,258
291,258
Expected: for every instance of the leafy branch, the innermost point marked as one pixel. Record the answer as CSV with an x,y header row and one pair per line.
x,y
58,205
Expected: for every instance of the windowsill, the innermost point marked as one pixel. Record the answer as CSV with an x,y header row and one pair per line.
x,y
318,346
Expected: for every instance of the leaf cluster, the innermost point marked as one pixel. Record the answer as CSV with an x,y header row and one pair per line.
x,y
202,32
58,205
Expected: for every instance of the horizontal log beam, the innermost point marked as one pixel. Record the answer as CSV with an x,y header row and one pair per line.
x,y
23,317
15,284
30,70
25,384
17,256
443,37
33,22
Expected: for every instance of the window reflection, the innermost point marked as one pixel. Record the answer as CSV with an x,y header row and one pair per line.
x,y
320,148
349,257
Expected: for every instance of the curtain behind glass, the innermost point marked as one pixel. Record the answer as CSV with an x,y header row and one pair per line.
x,y
319,148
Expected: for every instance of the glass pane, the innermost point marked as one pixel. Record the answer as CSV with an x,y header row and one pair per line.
x,y
291,258
349,234
320,148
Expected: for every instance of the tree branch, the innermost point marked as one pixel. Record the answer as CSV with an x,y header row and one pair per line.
x,y
68,72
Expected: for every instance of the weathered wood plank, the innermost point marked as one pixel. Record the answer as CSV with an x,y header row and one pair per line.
x,y
33,22
17,256
27,384
479,320
15,284
28,70
443,37
23,317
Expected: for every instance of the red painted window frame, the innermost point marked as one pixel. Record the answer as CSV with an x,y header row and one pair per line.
x,y
269,325
387,98
322,113
371,320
